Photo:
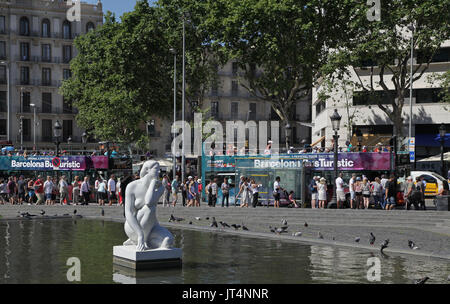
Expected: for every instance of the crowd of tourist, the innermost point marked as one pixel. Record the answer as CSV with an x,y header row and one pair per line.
x,y
381,193
50,191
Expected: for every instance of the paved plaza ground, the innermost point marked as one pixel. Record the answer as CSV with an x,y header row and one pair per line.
x,y
430,230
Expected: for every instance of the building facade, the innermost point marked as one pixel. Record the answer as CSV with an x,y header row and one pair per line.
x,y
229,100
360,114
36,47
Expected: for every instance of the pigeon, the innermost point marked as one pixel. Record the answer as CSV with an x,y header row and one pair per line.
x,y
190,223
306,224
207,218
320,235
372,239
198,218
271,229
284,228
244,228
333,238
412,245
384,245
214,223
103,212
284,222
66,214
357,239
297,233
75,211
172,218
280,230
224,225
422,280
42,212
235,226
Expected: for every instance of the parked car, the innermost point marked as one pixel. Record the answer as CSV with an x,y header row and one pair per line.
x,y
434,181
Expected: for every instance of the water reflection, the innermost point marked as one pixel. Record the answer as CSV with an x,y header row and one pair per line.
x,y
37,251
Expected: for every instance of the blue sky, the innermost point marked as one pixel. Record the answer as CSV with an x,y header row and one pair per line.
x,y
116,6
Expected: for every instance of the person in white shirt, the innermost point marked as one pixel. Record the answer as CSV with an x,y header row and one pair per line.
x,y
277,192
352,190
85,191
340,195
63,191
101,192
48,189
112,190
97,182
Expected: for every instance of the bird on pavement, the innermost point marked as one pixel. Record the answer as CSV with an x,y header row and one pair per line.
x,y
372,239
283,222
320,235
103,212
75,211
297,233
225,225
190,223
198,218
421,281
412,245
357,239
284,228
244,228
384,245
172,218
235,226
272,230
207,218
214,223
42,212
306,224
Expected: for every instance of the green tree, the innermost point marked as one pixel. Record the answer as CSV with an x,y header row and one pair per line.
x,y
383,47
278,45
121,76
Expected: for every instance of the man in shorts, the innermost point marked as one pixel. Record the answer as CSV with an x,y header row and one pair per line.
x,y
391,193
340,194
112,190
39,190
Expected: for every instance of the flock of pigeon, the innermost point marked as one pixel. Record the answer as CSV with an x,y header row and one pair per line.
x,y
284,229
213,222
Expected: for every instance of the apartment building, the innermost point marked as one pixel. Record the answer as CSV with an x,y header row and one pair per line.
x,y
372,124
229,100
36,47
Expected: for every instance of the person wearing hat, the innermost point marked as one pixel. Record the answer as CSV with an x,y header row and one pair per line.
x,y
190,192
322,191
313,190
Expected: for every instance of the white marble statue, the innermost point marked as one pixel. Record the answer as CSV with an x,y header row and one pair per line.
x,y
141,199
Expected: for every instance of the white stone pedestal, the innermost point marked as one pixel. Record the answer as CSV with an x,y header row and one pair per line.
x,y
127,256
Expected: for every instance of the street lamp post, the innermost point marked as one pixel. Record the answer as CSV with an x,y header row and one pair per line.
x,y
359,137
69,142
411,28
84,137
57,129
34,125
183,160
442,132
335,123
174,52
21,132
288,130
8,107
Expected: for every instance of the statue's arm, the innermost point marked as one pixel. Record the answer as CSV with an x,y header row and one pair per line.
x,y
130,214
154,192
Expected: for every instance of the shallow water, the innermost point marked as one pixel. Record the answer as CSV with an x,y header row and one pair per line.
x,y
36,251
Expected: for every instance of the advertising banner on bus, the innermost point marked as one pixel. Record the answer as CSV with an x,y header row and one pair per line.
x,y
46,163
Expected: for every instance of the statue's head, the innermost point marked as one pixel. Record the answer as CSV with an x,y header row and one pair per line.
x,y
150,167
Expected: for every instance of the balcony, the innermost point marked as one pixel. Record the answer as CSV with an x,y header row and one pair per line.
x,y
46,59
24,58
66,60
47,110
49,83
72,36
